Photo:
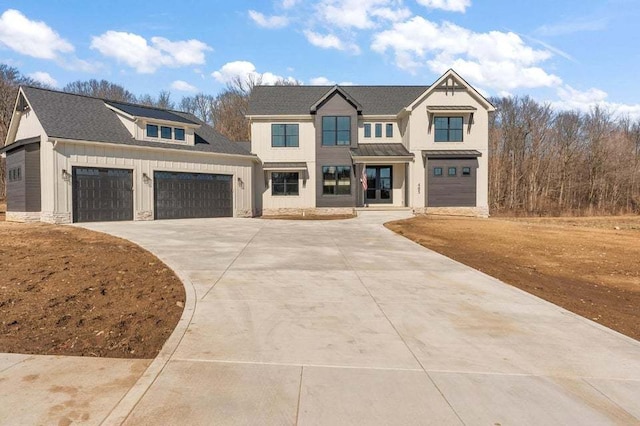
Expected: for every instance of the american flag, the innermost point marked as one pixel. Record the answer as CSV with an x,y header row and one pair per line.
x,y
363,179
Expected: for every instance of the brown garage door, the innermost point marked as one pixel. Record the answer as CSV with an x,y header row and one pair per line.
x,y
192,195
451,182
101,194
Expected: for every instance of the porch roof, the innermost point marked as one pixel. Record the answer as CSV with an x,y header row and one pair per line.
x,y
394,152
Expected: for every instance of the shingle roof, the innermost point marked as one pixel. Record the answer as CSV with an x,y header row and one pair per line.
x,y
380,150
78,117
296,100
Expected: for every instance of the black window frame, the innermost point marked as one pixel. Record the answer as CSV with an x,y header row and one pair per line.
x,y
330,137
438,171
284,188
175,134
157,130
162,129
14,174
287,132
336,178
388,132
455,171
367,130
466,171
378,130
450,132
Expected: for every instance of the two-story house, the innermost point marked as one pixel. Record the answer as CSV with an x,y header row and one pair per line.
x,y
328,149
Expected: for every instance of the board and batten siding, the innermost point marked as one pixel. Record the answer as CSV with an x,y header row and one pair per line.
x,y
420,137
145,161
304,152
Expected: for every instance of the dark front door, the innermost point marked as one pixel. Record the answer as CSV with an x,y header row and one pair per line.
x,y
192,195
101,194
379,185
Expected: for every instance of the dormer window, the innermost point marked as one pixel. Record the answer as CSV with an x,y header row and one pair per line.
x,y
167,133
152,131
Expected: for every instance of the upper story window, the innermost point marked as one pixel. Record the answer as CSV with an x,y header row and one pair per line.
x,y
389,130
367,130
165,132
378,130
448,129
284,135
336,130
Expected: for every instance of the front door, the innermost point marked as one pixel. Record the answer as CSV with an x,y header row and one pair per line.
x,y
379,185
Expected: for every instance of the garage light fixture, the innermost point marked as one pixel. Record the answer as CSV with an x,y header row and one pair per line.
x,y
240,182
65,174
145,178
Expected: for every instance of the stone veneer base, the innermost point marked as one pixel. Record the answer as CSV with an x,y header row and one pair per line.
x,y
454,211
22,217
318,211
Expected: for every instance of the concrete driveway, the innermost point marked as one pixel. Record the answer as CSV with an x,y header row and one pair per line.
x,y
344,322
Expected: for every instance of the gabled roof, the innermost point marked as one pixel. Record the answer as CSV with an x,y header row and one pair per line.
x,y
84,118
339,90
299,100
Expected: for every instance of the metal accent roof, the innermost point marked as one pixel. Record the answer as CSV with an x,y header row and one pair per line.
x,y
83,118
451,108
298,100
381,150
149,112
284,165
451,153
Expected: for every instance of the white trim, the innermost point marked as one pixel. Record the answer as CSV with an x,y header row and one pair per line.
x,y
283,117
251,157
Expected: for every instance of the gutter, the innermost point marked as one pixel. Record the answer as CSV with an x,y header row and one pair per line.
x,y
251,157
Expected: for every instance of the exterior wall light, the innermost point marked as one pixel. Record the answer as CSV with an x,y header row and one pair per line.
x,y
146,179
65,174
240,183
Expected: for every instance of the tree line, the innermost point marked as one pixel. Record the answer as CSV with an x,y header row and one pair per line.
x,y
541,161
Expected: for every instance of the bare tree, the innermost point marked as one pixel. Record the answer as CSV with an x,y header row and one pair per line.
x,y
100,89
10,80
199,105
162,101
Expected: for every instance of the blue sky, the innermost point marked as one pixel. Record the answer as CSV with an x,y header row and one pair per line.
x,y
573,54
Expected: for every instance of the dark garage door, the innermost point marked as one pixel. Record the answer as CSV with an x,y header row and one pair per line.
x,y
451,182
192,195
102,194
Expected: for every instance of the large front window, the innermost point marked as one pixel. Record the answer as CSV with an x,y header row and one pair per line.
x,y
284,183
284,135
448,129
336,131
336,180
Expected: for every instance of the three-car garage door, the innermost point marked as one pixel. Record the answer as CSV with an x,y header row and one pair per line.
x,y
192,195
101,194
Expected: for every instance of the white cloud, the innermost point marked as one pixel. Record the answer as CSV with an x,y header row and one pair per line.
x,y
183,86
31,38
497,60
571,99
330,41
321,81
144,57
271,22
447,5
246,71
288,4
360,14
44,78
573,26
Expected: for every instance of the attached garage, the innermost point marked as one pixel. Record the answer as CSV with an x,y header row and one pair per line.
x,y
179,195
102,194
452,178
